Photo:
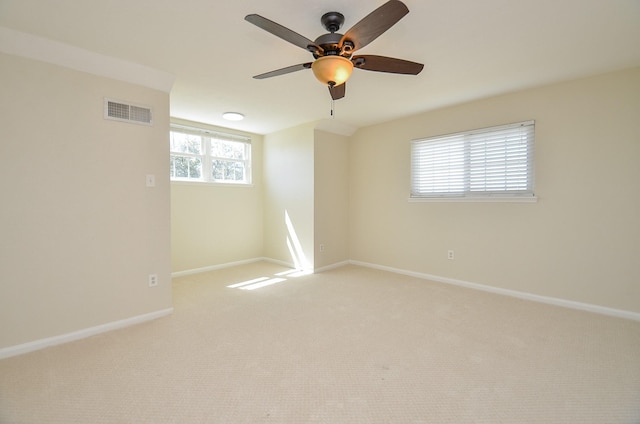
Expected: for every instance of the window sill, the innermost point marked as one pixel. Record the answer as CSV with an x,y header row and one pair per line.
x,y
209,183
479,199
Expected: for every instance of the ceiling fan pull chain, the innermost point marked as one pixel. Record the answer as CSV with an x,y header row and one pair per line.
x,y
333,103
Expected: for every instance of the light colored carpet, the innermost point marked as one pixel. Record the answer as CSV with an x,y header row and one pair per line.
x,y
351,345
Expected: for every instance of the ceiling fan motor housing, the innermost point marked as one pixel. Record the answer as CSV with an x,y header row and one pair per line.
x,y
330,43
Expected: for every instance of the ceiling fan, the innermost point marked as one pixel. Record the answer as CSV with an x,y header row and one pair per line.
x,y
333,52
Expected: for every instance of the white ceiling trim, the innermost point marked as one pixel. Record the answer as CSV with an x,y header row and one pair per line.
x,y
30,46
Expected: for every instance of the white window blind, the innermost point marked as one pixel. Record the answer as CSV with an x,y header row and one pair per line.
x,y
495,161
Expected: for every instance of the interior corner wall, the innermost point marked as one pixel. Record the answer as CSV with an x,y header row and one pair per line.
x,y
331,192
288,184
217,224
579,242
81,231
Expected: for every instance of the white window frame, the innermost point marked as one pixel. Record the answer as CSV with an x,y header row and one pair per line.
x,y
207,140
489,164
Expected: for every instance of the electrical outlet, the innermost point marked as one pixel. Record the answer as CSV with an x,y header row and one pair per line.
x,y
450,255
153,280
151,180
322,247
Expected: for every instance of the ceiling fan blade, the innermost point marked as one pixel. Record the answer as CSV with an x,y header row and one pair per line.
x,y
338,91
386,64
287,70
375,23
283,32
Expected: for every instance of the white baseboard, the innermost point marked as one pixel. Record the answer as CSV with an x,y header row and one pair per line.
x,y
248,261
229,265
603,310
279,262
10,351
332,266
81,334
215,267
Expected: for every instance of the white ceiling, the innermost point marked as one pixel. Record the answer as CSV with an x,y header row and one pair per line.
x,y
471,49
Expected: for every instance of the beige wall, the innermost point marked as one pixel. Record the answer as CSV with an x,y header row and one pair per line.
x,y
579,242
289,196
81,232
305,176
331,191
213,224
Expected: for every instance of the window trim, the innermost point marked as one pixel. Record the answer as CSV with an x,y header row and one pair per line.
x,y
466,194
476,199
209,183
207,137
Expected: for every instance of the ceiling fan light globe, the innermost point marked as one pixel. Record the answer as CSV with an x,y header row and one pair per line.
x,y
332,70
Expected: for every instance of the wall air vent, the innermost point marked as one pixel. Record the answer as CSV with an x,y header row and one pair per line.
x,y
127,112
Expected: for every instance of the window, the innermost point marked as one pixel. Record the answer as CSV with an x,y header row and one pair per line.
x,y
209,156
492,162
